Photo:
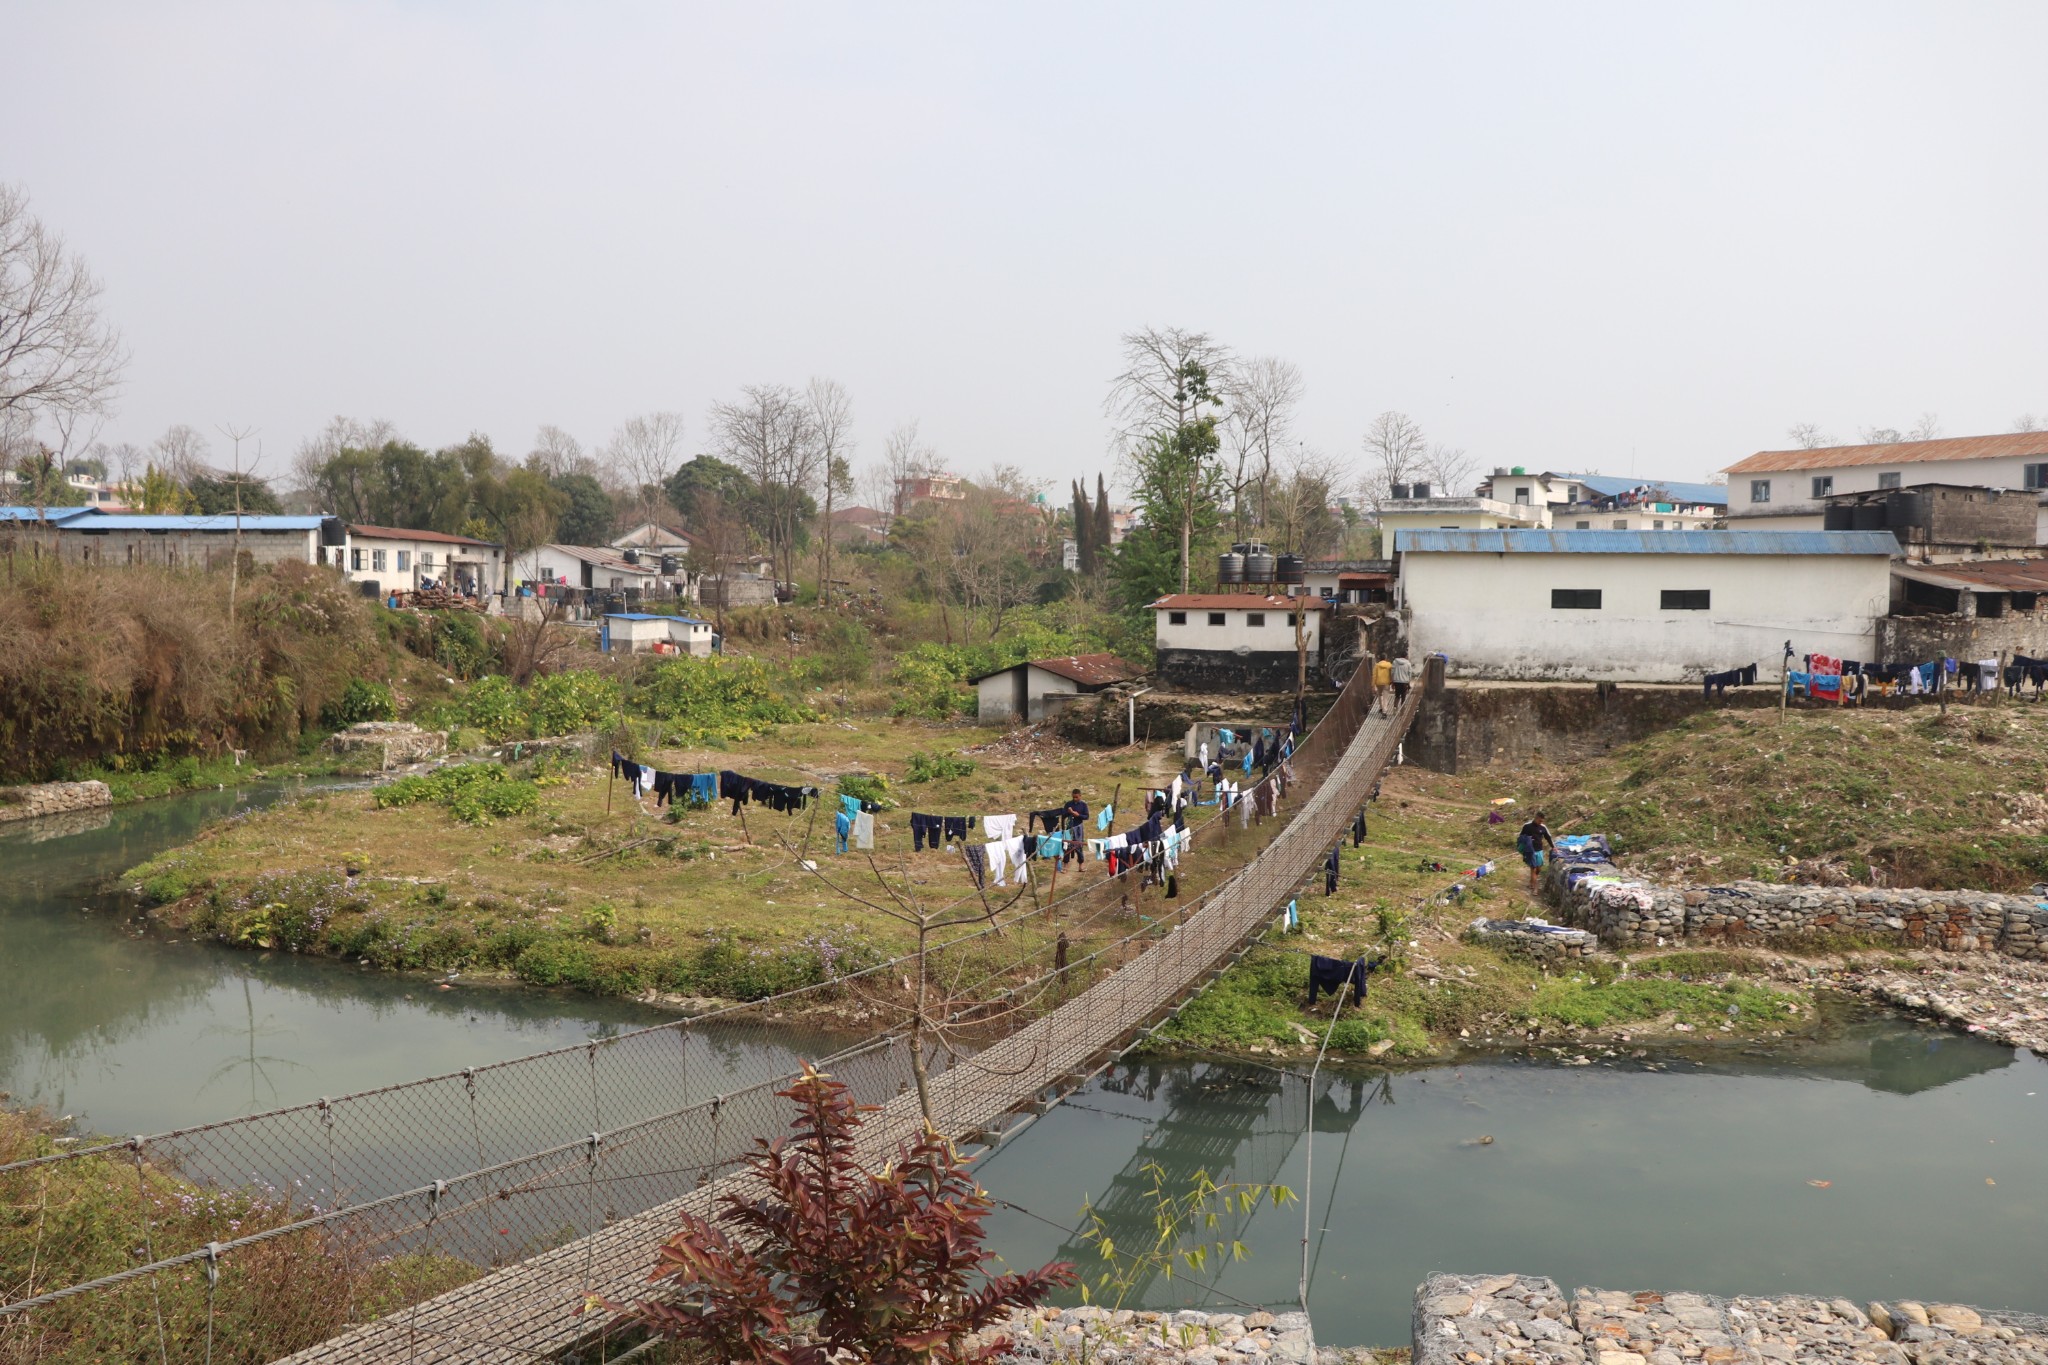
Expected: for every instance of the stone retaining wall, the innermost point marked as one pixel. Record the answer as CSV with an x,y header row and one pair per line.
x,y
52,798
1539,943
1628,912
1525,1320
380,745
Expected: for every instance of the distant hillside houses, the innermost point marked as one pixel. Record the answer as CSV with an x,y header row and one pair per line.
x,y
1790,490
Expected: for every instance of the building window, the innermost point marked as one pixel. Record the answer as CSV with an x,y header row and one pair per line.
x,y
1656,525
377,561
1759,490
1215,618
355,561
1582,526
1290,619
1823,484
427,561
1255,618
1575,599
1522,496
2037,476
404,560
1621,523
1685,599
1891,479
1176,618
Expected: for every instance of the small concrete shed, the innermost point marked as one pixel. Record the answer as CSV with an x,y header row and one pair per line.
x,y
1031,691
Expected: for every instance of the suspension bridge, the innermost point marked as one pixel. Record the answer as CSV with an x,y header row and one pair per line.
x,y
561,1172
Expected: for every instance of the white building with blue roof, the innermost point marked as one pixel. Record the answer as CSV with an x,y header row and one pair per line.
x,y
1640,606
87,536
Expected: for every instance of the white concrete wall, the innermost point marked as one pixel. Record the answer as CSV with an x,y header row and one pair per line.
x,y
1491,613
996,696
1275,636
1396,517
1631,519
484,562
177,549
1793,488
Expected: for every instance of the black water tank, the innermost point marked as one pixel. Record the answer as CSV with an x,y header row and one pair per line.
x,y
1398,492
371,588
615,602
1420,490
1293,569
1259,565
669,566
1869,516
631,556
1230,567
1837,517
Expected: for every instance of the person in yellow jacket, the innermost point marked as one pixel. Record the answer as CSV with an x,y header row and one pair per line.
x,y
1382,679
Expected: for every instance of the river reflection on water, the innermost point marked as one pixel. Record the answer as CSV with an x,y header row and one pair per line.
x,y
139,1035
1693,1177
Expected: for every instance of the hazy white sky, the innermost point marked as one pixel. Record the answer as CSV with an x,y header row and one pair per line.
x,y
1586,236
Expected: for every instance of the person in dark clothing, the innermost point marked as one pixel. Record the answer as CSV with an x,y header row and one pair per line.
x,y
1332,865
1535,845
1077,810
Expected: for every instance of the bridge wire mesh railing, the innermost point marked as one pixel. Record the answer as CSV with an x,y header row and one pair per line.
x,y
256,1236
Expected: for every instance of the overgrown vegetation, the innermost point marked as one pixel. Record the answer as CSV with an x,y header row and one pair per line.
x,y
131,666
79,1220
716,698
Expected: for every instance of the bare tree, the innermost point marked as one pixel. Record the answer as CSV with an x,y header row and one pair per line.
x,y
1928,428
57,354
1266,392
646,449
181,452
769,434
904,457
1808,436
123,460
831,415
556,453
340,433
1300,516
2026,421
1449,470
1152,393
1394,451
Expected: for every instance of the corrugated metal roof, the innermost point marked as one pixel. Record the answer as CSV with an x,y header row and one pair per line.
x,y
1997,575
53,515
221,524
1610,485
2011,445
1651,542
1089,670
401,533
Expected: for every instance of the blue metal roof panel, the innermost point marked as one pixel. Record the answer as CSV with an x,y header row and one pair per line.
x,y
1608,485
652,616
55,515
1651,542
224,522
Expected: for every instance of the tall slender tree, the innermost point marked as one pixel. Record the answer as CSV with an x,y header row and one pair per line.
x,y
1105,529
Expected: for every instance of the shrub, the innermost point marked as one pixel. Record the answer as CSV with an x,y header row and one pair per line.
x,y
935,767
361,700
930,682
494,706
717,698
835,1260
563,703
474,793
866,787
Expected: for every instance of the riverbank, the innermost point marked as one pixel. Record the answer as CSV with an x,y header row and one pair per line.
x,y
581,884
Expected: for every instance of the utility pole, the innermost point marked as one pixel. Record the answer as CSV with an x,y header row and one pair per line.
x,y
235,562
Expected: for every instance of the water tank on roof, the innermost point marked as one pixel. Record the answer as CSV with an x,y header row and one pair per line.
x,y
1260,565
669,566
1518,471
1293,569
1867,516
1837,517
1398,492
1230,568
1421,490
631,556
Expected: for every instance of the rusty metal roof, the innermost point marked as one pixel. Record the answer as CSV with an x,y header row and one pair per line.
x,y
2012,445
1996,575
1089,670
1650,542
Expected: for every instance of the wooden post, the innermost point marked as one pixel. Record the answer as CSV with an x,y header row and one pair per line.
x,y
608,789
2002,655
1784,685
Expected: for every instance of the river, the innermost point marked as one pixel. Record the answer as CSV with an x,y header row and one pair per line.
x,y
1689,1171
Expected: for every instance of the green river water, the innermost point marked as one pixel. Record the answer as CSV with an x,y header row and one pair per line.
x,y
1677,1172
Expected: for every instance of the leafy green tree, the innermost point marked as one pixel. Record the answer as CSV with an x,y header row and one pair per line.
x,y
213,494
42,481
159,493
1180,491
587,519
692,489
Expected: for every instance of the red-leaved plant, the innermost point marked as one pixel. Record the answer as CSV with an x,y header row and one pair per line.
x,y
836,1261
